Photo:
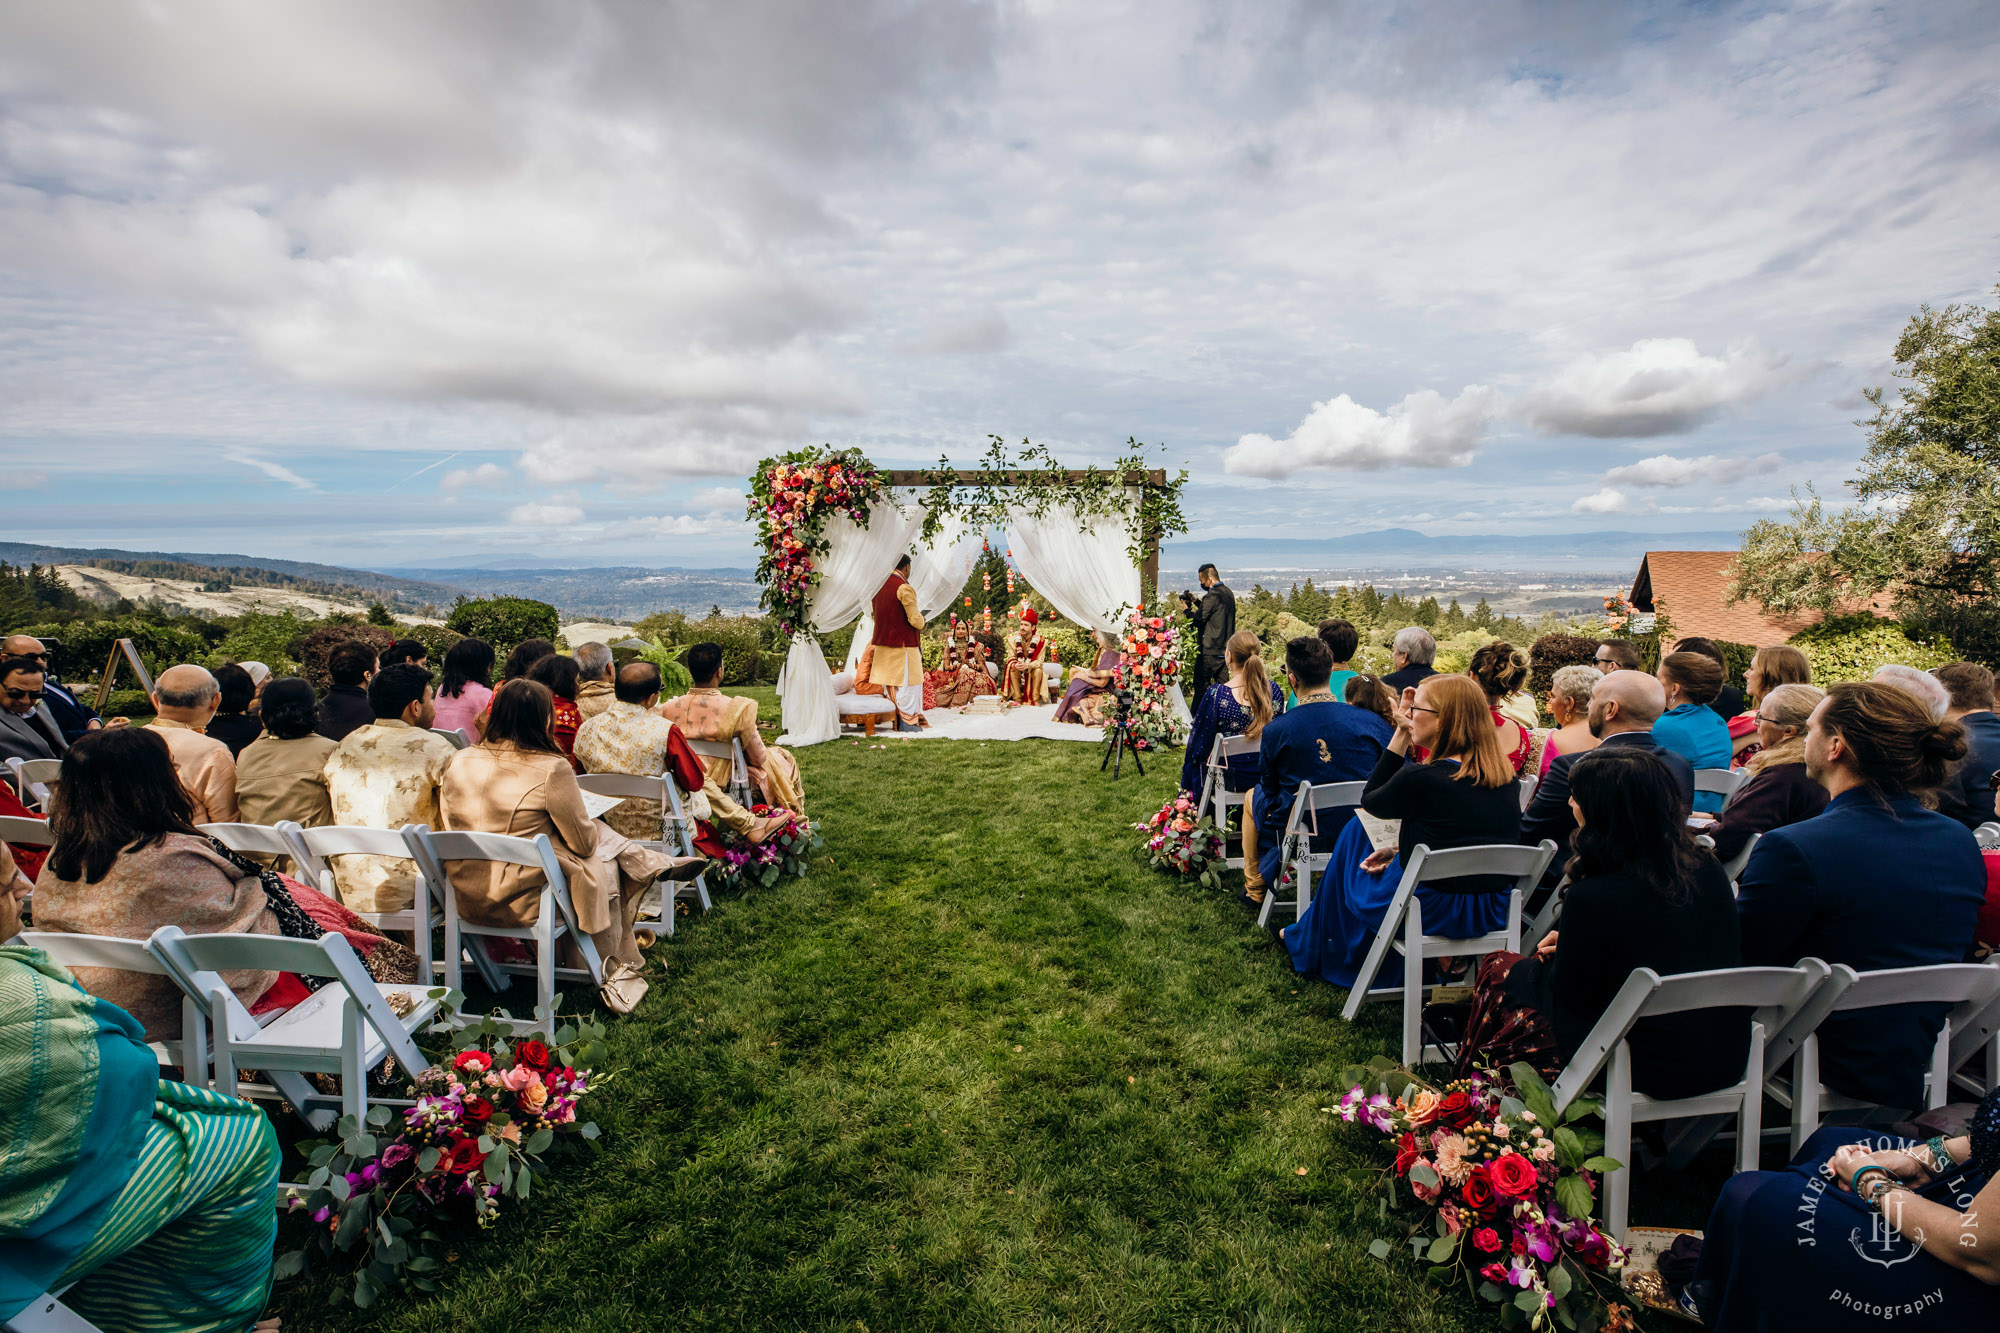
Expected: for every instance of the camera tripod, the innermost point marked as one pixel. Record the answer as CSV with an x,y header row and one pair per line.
x,y
1121,743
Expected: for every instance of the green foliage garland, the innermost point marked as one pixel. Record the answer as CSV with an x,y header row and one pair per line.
x,y
1036,480
791,497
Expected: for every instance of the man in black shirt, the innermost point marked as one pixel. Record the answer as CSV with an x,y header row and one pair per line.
x,y
1214,621
345,707
1411,653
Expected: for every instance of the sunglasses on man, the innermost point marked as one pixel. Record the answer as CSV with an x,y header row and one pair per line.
x,y
17,695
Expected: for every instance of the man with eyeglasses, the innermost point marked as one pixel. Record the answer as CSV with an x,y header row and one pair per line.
x,y
1617,655
71,714
26,729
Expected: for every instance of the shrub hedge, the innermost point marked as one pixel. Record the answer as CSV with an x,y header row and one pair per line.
x,y
1550,654
86,644
1851,647
504,621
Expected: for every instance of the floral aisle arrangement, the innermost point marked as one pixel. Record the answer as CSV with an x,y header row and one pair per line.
x,y
1503,1187
1179,840
791,497
1150,669
744,864
392,1189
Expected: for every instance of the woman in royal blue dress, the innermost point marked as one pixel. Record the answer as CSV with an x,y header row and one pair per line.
x,y
1463,796
1239,706
1863,1230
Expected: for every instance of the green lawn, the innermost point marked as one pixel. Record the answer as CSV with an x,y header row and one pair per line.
x,y
981,1070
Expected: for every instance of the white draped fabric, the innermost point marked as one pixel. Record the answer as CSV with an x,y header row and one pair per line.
x,y
1084,569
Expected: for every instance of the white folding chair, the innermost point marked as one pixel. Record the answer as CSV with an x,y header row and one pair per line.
x,y
125,955
1528,784
26,832
555,917
318,846
32,780
739,767
1733,867
459,740
1296,856
1774,993
1721,782
268,840
1215,793
1988,835
346,1027
1403,926
1968,987
1974,1035
678,828
46,1314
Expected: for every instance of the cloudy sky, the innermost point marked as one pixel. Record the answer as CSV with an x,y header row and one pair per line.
x,y
401,282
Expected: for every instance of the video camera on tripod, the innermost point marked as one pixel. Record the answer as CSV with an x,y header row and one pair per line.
x,y
1119,731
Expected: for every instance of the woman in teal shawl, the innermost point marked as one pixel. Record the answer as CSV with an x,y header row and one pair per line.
x,y
150,1201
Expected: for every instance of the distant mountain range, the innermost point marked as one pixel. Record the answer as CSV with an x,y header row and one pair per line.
x,y
1608,552
620,592
403,594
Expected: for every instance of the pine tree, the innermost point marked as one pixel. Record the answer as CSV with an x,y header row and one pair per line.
x,y
1453,619
1482,615
1426,613
1372,605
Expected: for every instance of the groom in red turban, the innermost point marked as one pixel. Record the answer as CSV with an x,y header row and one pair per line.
x,y
899,653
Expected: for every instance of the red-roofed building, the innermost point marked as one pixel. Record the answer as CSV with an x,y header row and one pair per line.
x,y
1694,585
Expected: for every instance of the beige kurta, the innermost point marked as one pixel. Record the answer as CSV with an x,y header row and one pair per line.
x,y
206,769
384,775
711,715
594,696
628,738
284,780
180,881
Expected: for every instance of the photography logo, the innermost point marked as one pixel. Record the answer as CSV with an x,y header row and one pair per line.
x,y
1885,1245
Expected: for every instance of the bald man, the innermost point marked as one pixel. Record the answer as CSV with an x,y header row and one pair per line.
x,y
72,715
1624,705
186,697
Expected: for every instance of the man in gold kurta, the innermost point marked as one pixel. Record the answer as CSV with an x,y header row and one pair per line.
x,y
899,652
386,775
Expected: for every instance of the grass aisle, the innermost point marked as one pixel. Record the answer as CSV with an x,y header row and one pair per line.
x,y
982,1070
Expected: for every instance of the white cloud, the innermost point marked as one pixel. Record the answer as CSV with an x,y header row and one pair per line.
x,y
1661,386
1423,430
719,499
987,332
671,525
275,471
487,476
537,515
1606,501
1667,470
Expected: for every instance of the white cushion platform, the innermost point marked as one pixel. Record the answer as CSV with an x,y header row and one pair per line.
x,y
1028,722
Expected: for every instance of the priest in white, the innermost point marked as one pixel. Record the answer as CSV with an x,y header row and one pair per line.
x,y
898,664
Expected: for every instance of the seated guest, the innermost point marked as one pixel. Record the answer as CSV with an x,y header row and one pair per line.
x,y
405,652
593,673
526,653
259,674
1968,797
234,724
146,1203
1776,1239
184,699
72,715
466,688
1365,691
1343,641
1318,741
517,782
345,704
27,729
1088,699
1623,707
1641,894
1463,796
1239,706
1689,727
560,675
1569,705
128,859
1618,655
282,774
705,713
1779,791
1781,664
1922,686
630,737
1729,701
961,674
1876,881
1500,669
386,775
1411,653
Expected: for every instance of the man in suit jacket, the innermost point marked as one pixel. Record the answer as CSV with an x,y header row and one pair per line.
x,y
1317,740
1968,797
72,715
1411,653
1624,705
1214,621
26,729
1874,882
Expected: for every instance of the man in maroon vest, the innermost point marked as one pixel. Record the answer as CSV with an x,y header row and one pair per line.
x,y
899,653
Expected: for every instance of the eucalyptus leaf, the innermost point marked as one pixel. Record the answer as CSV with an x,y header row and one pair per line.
x,y
1423,1173
289,1264
1559,1281
1379,1248
427,1160
365,1290
378,1115
539,1141
1443,1248
338,1187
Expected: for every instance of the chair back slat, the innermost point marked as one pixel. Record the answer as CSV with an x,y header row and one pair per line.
x,y
506,848
1721,782
1941,983
1524,865
107,951
626,785
459,740
331,840
250,839
1528,784
1229,747
26,832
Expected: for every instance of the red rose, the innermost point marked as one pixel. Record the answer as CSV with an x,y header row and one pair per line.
x,y
472,1062
532,1054
1487,1239
477,1111
464,1157
1513,1176
1406,1154
1457,1111
1478,1190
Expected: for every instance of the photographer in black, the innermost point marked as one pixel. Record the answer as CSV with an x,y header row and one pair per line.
x,y
1214,620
